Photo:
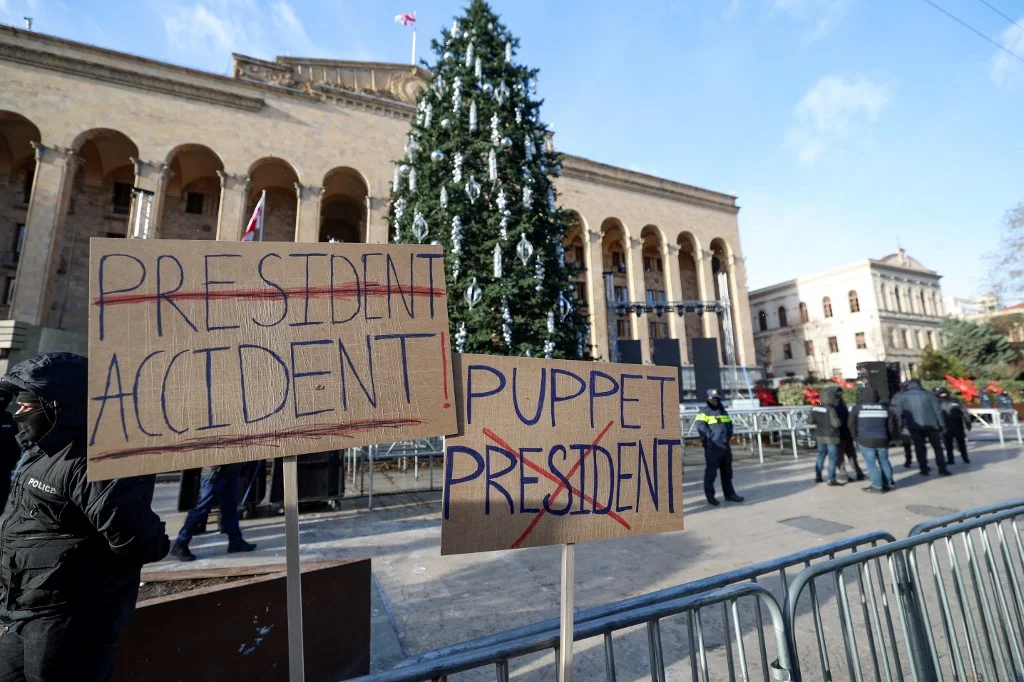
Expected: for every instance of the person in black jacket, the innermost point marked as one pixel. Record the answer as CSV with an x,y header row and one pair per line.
x,y
715,428
827,425
71,550
847,448
218,486
873,425
10,451
955,424
921,413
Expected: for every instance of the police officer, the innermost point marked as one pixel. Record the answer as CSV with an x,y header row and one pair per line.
x,y
827,434
847,448
1004,401
873,425
70,551
956,424
921,413
10,451
715,428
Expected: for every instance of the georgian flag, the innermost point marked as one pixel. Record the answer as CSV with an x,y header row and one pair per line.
x,y
255,226
405,19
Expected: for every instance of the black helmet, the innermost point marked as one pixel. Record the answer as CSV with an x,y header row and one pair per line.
x,y
942,391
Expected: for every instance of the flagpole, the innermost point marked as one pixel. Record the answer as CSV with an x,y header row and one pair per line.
x,y
413,62
263,200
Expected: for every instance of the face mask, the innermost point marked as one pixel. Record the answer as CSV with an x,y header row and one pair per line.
x,y
33,424
715,403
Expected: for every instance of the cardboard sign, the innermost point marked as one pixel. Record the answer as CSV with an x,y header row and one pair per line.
x,y
204,353
557,451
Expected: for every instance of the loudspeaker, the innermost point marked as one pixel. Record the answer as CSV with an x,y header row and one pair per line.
x,y
665,352
706,374
629,352
881,376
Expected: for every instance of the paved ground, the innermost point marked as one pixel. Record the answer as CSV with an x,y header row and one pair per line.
x,y
423,601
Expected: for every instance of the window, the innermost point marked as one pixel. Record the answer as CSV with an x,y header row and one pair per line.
x,y
782,316
650,297
803,312
622,328
861,342
787,351
854,302
762,320
618,264
621,295
659,265
659,296
8,290
579,292
826,306
833,344
122,199
908,339
19,240
577,253
809,348
648,264
194,203
658,330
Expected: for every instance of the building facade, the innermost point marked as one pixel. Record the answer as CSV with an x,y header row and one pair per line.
x,y
966,308
81,126
1008,322
822,325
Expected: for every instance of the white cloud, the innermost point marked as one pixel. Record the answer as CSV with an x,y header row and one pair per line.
x,y
820,15
1004,69
834,110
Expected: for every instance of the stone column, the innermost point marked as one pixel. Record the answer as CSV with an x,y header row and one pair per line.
x,y
638,294
596,295
377,220
741,320
307,215
234,194
674,292
152,177
44,226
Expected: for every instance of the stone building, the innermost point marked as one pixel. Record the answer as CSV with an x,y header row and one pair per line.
x,y
81,126
822,325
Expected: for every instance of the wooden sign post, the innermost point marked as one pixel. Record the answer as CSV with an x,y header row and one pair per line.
x,y
559,452
207,353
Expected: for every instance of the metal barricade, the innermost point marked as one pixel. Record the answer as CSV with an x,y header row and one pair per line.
x,y
429,449
651,616
754,423
968,625
995,419
774,570
959,517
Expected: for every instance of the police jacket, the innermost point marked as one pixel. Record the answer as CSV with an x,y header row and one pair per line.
x,y
68,546
827,424
714,427
844,415
918,409
955,418
872,423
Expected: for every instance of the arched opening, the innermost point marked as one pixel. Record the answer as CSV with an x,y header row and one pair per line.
x,y
804,317
854,302
826,307
689,281
615,257
576,258
192,197
783,322
655,291
101,199
343,210
17,171
278,178
762,320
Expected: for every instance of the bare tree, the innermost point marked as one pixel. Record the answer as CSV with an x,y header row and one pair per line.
x,y
1006,264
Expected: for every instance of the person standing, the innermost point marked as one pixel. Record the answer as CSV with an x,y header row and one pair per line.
x,y
10,451
715,428
873,425
71,551
921,413
955,424
827,427
1004,401
847,448
218,485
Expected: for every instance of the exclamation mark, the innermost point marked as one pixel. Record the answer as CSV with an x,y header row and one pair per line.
x,y
444,371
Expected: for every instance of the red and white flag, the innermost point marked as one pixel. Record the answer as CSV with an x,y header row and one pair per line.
x,y
255,227
405,19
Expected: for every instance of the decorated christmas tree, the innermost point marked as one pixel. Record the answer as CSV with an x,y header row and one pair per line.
x,y
477,179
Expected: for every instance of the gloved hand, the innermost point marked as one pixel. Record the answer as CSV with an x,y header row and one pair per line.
x,y
158,549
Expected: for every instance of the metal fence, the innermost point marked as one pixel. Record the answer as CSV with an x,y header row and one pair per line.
x,y
776,422
997,420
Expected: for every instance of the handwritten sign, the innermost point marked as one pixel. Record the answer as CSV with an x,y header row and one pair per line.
x,y
204,353
557,451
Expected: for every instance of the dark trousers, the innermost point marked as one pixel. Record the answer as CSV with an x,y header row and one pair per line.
x,y
848,451
717,458
931,436
961,442
221,489
61,648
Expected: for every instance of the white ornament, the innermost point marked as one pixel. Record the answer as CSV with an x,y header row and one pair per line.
x,y
502,202
549,348
455,33
524,249
564,306
473,294
506,142
495,134
533,85
456,95
457,167
551,199
497,261
396,181
519,113
456,235
530,149
399,209
428,115
445,123
527,196
472,116
492,165
501,93
410,145
508,51
419,227
412,179
444,197
488,89
460,337
503,232
478,68
551,322
538,274
404,168
506,322
560,253
472,190
436,155
446,56
469,55
439,86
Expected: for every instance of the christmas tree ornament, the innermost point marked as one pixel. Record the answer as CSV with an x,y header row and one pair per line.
x,y
456,268
438,84
404,168
538,274
473,294
533,85
488,89
492,165
443,198
497,261
549,348
527,197
396,181
472,116
445,123
457,167
501,93
436,155
524,249
551,199
478,68
506,322
495,135
490,26
508,52
472,189
502,202
564,306
419,227
435,243
469,54
529,149
447,56
560,254
410,145
428,114
456,94
551,322
503,228
455,33
519,113
399,209
456,235
412,179
460,338
506,142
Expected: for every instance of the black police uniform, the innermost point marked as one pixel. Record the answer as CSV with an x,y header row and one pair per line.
x,y
10,451
715,428
920,413
71,551
956,424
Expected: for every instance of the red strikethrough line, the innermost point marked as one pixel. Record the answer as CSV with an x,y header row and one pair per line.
x,y
342,291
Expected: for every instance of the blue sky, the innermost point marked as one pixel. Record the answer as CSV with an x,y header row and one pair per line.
x,y
844,126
